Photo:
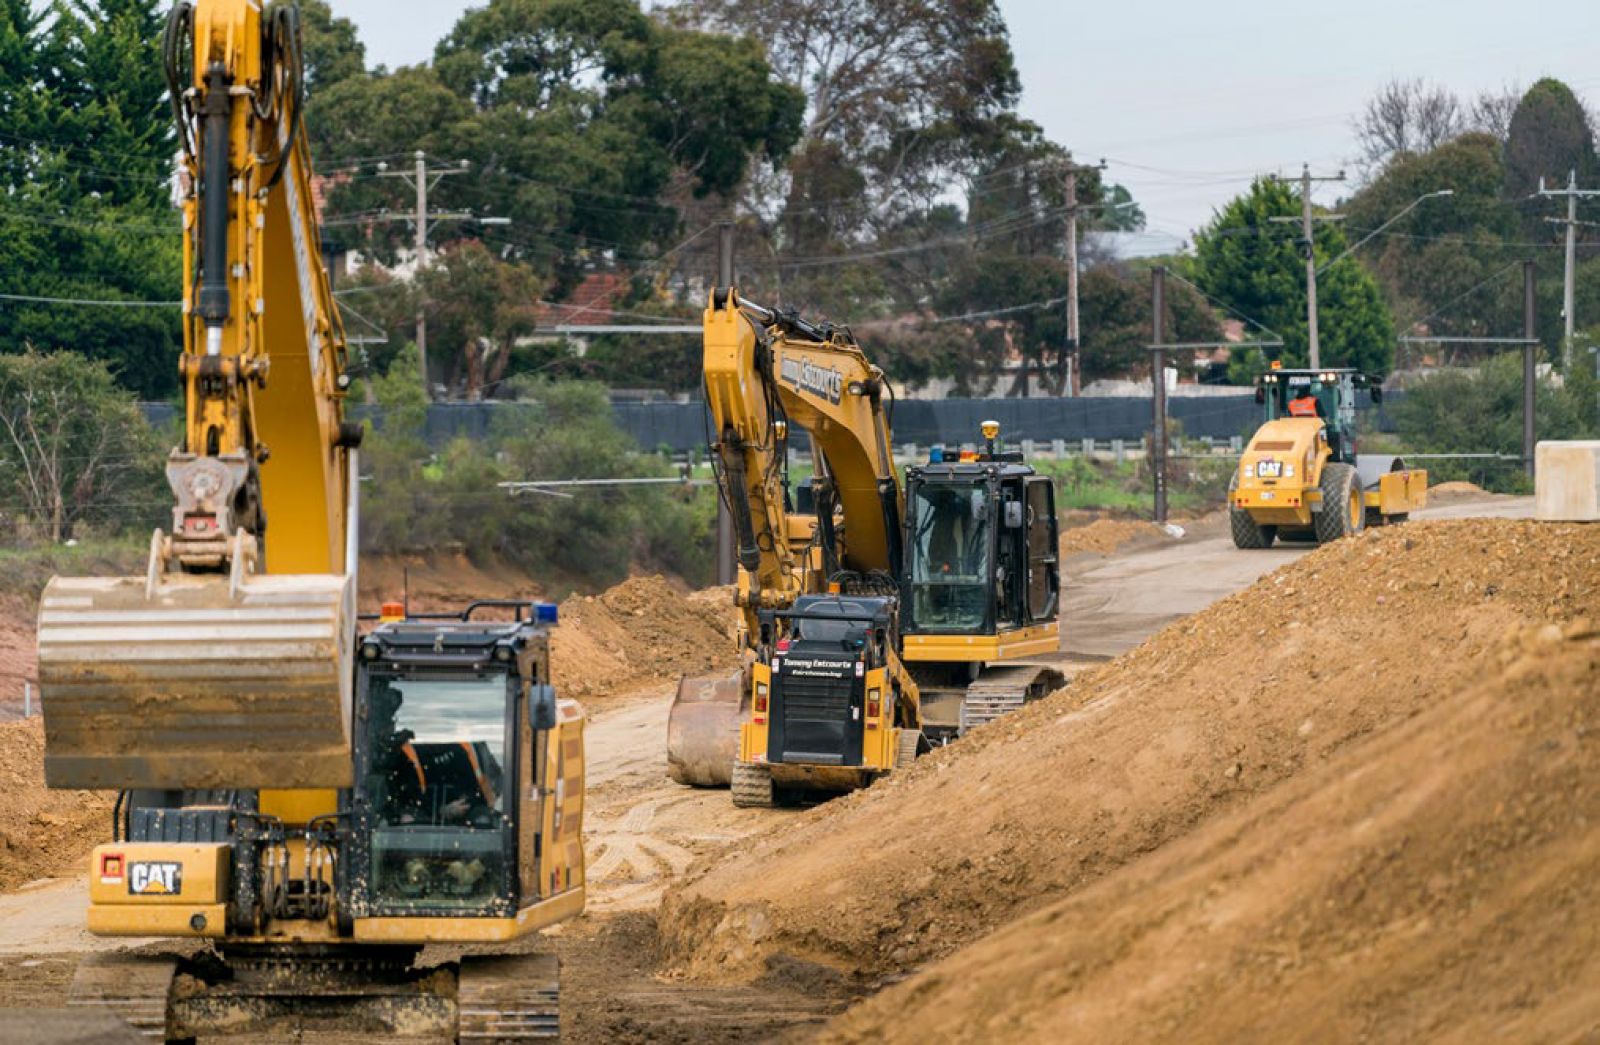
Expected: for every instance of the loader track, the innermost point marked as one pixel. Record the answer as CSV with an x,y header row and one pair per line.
x,y
1000,691
509,998
134,988
752,785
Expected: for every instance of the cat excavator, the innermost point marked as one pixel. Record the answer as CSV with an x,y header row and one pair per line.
x,y
304,801
886,616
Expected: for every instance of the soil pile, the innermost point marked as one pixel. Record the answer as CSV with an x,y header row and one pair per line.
x,y
1104,536
1263,687
42,832
643,630
1439,880
1457,488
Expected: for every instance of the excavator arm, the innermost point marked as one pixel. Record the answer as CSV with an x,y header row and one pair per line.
x,y
766,371
227,664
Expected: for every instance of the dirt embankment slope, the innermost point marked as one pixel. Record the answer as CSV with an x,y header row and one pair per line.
x,y
1439,880
1263,687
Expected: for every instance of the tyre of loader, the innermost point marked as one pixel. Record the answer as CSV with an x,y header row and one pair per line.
x,y
1343,513
703,729
1247,533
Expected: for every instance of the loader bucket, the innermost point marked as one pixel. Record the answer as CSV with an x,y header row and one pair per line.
x,y
197,681
703,729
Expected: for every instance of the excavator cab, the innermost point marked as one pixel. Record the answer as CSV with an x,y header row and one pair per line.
x,y
981,582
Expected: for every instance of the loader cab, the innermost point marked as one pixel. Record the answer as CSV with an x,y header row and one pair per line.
x,y
1332,398
450,711
980,545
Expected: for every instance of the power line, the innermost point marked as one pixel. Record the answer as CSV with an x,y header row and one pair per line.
x,y
88,302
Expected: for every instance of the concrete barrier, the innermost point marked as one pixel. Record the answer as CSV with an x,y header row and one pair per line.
x,y
1567,481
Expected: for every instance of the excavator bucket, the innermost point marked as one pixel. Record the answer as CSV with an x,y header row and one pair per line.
x,y
197,681
703,729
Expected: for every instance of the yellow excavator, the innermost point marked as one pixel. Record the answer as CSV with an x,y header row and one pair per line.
x,y
303,803
880,618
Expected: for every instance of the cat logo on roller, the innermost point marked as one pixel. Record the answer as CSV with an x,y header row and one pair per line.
x,y
155,878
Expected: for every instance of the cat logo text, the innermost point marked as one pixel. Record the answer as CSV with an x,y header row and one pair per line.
x,y
155,878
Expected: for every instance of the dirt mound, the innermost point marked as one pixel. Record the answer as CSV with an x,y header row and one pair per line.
x,y
1104,536
42,832
1457,490
1262,687
1439,880
640,631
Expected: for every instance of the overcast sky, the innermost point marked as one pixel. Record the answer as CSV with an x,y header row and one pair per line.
x,y
1187,100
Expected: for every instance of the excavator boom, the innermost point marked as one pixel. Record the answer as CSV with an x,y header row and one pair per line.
x,y
227,663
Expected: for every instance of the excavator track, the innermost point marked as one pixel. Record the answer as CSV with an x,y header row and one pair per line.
x,y
509,998
1000,691
134,988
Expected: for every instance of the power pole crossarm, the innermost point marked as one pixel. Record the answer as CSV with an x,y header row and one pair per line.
x,y
1308,234
421,179
1569,286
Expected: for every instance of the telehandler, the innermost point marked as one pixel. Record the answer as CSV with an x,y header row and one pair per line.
x,y
301,808
1301,478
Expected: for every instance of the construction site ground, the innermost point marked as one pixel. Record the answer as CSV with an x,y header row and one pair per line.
x,y
1144,844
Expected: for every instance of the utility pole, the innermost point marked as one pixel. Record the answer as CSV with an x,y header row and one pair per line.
x,y
1308,244
422,179
1530,332
1158,388
727,568
1075,376
1572,193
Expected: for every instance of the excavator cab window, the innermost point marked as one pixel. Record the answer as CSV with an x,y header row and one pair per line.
x,y
435,780
952,556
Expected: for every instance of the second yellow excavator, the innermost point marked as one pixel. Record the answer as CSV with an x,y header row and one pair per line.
x,y
888,616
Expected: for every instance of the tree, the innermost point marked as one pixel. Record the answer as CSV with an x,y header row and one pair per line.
x,y
1407,116
1430,261
1257,267
1479,410
1116,311
902,91
478,305
331,49
85,176
1549,136
117,123
579,120
75,445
